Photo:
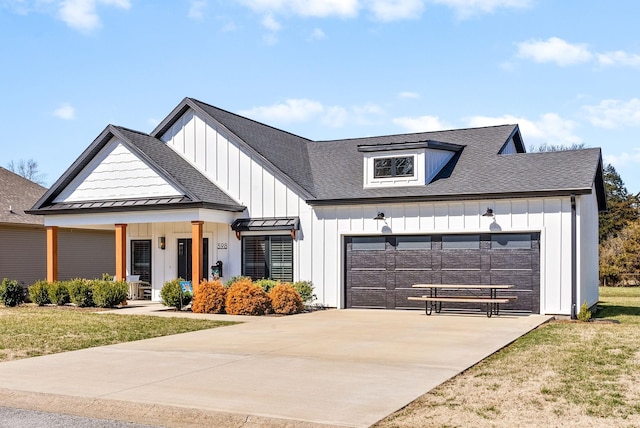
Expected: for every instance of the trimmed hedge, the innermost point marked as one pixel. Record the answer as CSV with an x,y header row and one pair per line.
x,y
39,293
246,298
80,292
285,300
173,296
109,294
11,292
209,298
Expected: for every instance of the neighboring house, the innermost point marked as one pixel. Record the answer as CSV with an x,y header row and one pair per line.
x,y
23,253
361,218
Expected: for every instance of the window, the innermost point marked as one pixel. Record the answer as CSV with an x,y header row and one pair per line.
x,y
360,243
268,256
413,242
461,242
509,241
141,259
393,167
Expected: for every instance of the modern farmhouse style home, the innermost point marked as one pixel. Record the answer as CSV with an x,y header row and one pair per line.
x,y
210,192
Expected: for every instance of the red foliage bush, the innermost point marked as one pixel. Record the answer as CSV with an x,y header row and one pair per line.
x,y
285,299
209,298
245,298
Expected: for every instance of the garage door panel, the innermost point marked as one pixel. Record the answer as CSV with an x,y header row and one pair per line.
x,y
413,259
462,258
521,279
511,260
367,259
457,277
366,279
369,298
401,298
406,278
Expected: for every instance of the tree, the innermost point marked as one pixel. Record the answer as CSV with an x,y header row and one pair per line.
x,y
545,147
623,206
27,169
620,256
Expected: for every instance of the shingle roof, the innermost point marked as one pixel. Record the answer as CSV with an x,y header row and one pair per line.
x,y
331,172
18,194
198,190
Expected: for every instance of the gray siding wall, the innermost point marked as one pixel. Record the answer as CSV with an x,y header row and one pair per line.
x,y
81,253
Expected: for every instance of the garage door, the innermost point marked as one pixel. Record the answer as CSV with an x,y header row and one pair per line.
x,y
381,269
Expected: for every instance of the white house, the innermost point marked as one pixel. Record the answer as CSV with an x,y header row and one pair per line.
x,y
361,218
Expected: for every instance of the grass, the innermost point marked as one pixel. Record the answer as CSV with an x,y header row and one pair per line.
x,y
29,331
563,373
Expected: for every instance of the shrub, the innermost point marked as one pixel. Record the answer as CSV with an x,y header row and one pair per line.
x,y
58,293
108,294
39,293
266,284
245,298
235,279
173,296
80,292
285,300
585,314
305,290
11,292
209,298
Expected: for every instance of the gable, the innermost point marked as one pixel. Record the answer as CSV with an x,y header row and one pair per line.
x,y
116,173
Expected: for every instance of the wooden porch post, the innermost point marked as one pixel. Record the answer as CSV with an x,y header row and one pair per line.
x,y
52,253
121,252
196,252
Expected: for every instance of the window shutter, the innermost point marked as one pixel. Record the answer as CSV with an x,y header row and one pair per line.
x,y
281,258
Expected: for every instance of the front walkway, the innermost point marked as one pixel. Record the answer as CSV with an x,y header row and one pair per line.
x,y
336,367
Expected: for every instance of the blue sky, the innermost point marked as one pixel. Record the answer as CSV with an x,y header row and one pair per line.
x,y
566,71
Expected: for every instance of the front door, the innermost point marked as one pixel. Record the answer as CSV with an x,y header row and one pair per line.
x,y
184,258
141,259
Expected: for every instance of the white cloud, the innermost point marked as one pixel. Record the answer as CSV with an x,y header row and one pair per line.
x,y
408,94
393,10
314,8
65,112
555,50
624,158
421,123
468,8
550,128
305,110
614,113
619,58
196,9
270,23
317,34
82,14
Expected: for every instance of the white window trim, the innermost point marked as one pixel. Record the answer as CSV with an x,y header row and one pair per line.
x,y
417,179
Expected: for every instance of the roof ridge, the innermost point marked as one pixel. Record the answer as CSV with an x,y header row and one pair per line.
x,y
250,120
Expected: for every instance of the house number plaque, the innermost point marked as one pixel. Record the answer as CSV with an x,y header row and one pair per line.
x,y
222,245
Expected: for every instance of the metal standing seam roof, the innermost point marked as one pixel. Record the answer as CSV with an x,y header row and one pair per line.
x,y
280,223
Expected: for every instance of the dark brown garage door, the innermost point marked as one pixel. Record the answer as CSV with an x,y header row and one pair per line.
x,y
381,269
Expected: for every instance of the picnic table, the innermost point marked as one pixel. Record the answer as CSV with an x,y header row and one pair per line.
x,y
477,294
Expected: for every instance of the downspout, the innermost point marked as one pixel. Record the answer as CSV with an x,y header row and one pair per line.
x,y
574,259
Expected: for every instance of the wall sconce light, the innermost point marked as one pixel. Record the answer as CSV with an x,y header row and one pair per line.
x,y
161,242
489,213
380,216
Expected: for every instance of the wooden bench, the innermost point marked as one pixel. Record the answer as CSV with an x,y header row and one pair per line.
x,y
492,302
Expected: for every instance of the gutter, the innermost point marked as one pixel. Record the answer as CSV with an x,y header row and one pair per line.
x,y
574,258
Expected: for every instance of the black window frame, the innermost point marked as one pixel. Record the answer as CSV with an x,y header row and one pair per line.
x,y
268,269
135,268
392,167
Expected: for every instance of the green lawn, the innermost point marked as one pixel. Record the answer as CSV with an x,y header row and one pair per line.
x,y
28,331
562,374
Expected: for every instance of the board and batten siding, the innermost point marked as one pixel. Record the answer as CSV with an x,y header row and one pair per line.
x,y
549,216
116,173
249,179
588,247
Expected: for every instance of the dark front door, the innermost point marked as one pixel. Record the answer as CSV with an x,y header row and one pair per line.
x,y
141,259
184,258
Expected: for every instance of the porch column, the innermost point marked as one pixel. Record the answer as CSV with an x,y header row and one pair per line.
x,y
121,252
52,253
196,252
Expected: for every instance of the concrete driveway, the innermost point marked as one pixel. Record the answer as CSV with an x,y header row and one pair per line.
x,y
334,367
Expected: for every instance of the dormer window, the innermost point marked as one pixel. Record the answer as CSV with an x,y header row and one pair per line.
x,y
393,167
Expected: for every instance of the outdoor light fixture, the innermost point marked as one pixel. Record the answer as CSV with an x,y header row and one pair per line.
x,y
161,242
380,216
489,213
